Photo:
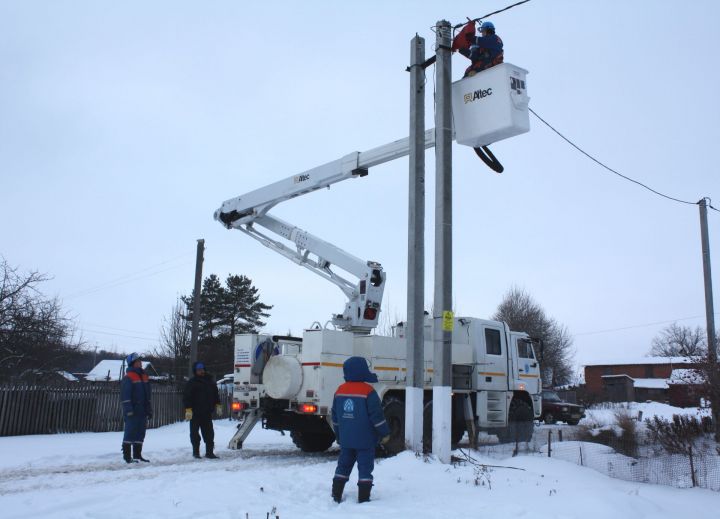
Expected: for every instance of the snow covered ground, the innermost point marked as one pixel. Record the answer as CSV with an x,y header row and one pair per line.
x,y
82,476
605,413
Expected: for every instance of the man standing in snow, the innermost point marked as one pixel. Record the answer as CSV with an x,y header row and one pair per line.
x,y
359,423
137,408
200,398
485,50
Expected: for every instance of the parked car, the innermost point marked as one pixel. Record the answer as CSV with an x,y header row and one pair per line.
x,y
555,410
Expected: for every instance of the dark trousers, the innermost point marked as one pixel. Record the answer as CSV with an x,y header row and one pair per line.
x,y
135,428
365,460
204,426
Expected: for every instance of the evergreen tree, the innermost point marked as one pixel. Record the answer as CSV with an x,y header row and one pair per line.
x,y
224,312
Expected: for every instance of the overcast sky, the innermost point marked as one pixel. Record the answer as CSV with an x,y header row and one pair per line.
x,y
124,125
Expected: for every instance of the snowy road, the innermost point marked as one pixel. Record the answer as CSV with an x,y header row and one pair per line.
x,y
83,476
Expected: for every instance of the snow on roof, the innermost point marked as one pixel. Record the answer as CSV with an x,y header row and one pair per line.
x,y
644,360
651,383
67,376
685,376
110,370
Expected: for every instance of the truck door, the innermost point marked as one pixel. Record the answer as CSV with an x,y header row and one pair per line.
x,y
492,358
528,368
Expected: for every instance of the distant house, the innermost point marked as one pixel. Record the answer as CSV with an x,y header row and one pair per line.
x,y
661,379
114,371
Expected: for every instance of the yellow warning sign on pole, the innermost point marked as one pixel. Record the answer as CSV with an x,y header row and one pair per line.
x,y
448,321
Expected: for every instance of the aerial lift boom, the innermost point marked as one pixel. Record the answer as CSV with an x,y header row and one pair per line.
x,y
250,210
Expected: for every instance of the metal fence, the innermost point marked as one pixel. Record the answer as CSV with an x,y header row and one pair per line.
x,y
35,409
630,457
638,459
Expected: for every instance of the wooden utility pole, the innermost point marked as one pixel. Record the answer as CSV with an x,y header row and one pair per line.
x,y
196,304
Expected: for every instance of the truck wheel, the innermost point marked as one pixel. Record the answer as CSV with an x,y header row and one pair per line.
x,y
457,429
520,426
394,410
312,440
549,419
573,422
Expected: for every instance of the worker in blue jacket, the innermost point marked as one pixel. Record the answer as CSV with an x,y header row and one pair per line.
x,y
359,425
136,406
486,50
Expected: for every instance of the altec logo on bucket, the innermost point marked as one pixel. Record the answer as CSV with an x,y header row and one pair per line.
x,y
478,94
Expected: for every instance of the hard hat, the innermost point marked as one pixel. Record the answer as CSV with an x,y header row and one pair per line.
x,y
131,358
487,26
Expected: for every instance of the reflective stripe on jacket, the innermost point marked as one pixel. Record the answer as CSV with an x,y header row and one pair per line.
x,y
135,392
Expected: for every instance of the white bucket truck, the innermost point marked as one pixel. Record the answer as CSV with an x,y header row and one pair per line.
x,y
288,383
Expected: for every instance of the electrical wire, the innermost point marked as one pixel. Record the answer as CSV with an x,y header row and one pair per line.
x,y
490,14
128,278
571,143
633,326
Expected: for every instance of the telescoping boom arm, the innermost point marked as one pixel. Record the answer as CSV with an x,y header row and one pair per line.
x,y
250,210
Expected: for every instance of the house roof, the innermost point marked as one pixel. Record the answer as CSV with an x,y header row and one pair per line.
x,y
685,376
633,361
650,383
111,370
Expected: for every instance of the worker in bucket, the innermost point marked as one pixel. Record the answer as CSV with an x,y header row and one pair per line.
x,y
485,50
136,406
359,425
200,398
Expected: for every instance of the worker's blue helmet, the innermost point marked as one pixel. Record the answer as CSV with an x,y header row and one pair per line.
x,y
131,358
487,26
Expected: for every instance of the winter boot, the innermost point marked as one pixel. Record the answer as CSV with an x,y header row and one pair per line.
x,y
137,452
209,451
337,489
126,453
364,491
196,451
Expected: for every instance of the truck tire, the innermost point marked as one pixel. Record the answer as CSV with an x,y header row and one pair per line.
x,y
549,419
520,426
394,410
312,440
456,432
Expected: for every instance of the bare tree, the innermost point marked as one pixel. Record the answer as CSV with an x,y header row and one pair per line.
x,y
522,313
35,333
175,340
679,341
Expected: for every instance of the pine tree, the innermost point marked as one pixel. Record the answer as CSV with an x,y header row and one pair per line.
x,y
224,312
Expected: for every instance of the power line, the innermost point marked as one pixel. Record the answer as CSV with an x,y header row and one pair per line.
x,y
119,335
639,325
127,278
105,327
490,14
571,143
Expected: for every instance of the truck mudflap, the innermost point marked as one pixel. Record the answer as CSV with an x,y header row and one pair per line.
x,y
252,417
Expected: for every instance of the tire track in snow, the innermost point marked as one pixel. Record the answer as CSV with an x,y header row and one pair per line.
x,y
16,481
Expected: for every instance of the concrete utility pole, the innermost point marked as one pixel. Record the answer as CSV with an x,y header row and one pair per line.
x,y
443,318
709,311
416,252
196,304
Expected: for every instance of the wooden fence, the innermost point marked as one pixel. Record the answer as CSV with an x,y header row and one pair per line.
x,y
35,409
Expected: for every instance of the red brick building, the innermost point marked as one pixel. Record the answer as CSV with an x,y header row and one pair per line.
x,y
646,378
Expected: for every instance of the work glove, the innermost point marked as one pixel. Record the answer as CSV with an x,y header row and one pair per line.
x,y
188,414
385,439
218,409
